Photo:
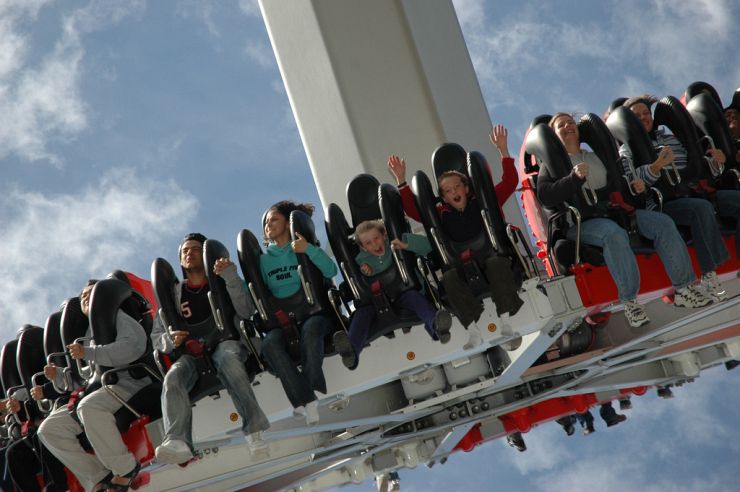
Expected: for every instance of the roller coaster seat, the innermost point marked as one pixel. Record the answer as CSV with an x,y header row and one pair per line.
x,y
231,325
709,117
288,313
467,256
593,279
382,289
165,282
12,383
30,360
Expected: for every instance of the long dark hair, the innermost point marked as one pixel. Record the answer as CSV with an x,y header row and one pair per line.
x,y
285,207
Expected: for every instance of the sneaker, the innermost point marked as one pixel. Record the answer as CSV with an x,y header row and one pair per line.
x,y
312,413
344,347
690,297
474,337
516,441
588,429
713,287
635,314
569,429
173,452
442,325
299,413
256,444
616,420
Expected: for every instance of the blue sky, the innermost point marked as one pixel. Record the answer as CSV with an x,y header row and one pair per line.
x,y
127,124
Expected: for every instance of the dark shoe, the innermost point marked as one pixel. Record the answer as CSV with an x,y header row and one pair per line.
x,y
442,325
665,393
516,441
732,364
616,420
123,487
344,347
508,304
625,404
570,429
588,429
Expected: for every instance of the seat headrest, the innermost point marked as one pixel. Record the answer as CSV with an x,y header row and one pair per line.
x,y
617,103
593,131
30,353
362,196
628,129
301,222
543,118
106,298
699,87
8,367
53,335
73,323
449,157
543,143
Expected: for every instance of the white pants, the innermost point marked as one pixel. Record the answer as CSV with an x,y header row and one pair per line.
x,y
59,431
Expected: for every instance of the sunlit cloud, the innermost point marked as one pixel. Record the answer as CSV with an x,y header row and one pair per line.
x,y
44,100
51,243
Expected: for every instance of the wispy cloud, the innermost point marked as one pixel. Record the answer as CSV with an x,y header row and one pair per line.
x,y
52,243
44,100
250,8
202,10
260,53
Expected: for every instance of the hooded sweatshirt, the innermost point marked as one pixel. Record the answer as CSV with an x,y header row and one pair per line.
x,y
279,268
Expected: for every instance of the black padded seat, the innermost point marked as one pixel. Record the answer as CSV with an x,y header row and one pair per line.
x,y
164,281
310,299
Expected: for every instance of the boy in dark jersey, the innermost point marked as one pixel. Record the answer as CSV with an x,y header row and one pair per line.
x,y
228,357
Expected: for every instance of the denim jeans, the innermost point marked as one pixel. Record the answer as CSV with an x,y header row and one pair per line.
x,y
669,244
698,214
228,359
363,318
614,242
728,203
299,386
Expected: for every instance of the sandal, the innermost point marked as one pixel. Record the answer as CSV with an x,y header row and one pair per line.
x,y
131,476
104,483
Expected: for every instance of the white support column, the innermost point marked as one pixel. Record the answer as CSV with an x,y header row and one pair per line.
x,y
367,79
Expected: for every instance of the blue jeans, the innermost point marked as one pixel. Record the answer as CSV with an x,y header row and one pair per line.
x,y
299,386
614,242
228,359
669,244
698,214
728,203
363,318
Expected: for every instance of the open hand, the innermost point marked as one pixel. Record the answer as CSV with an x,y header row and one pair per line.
x,y
397,167
499,135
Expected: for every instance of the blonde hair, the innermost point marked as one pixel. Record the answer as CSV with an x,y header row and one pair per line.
x,y
367,226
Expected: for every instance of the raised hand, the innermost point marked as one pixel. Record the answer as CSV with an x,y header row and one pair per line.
x,y
499,138
397,167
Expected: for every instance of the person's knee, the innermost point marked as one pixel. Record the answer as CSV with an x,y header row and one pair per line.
x,y
617,237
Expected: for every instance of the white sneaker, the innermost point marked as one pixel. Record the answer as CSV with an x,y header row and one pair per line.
x,y
635,314
312,413
712,286
474,339
173,452
299,413
690,297
256,444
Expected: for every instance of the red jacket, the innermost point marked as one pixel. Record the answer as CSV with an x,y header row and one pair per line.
x,y
504,189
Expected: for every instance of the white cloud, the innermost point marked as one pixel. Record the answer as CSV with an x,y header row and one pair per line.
x,y
43,100
201,10
260,53
51,243
250,8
